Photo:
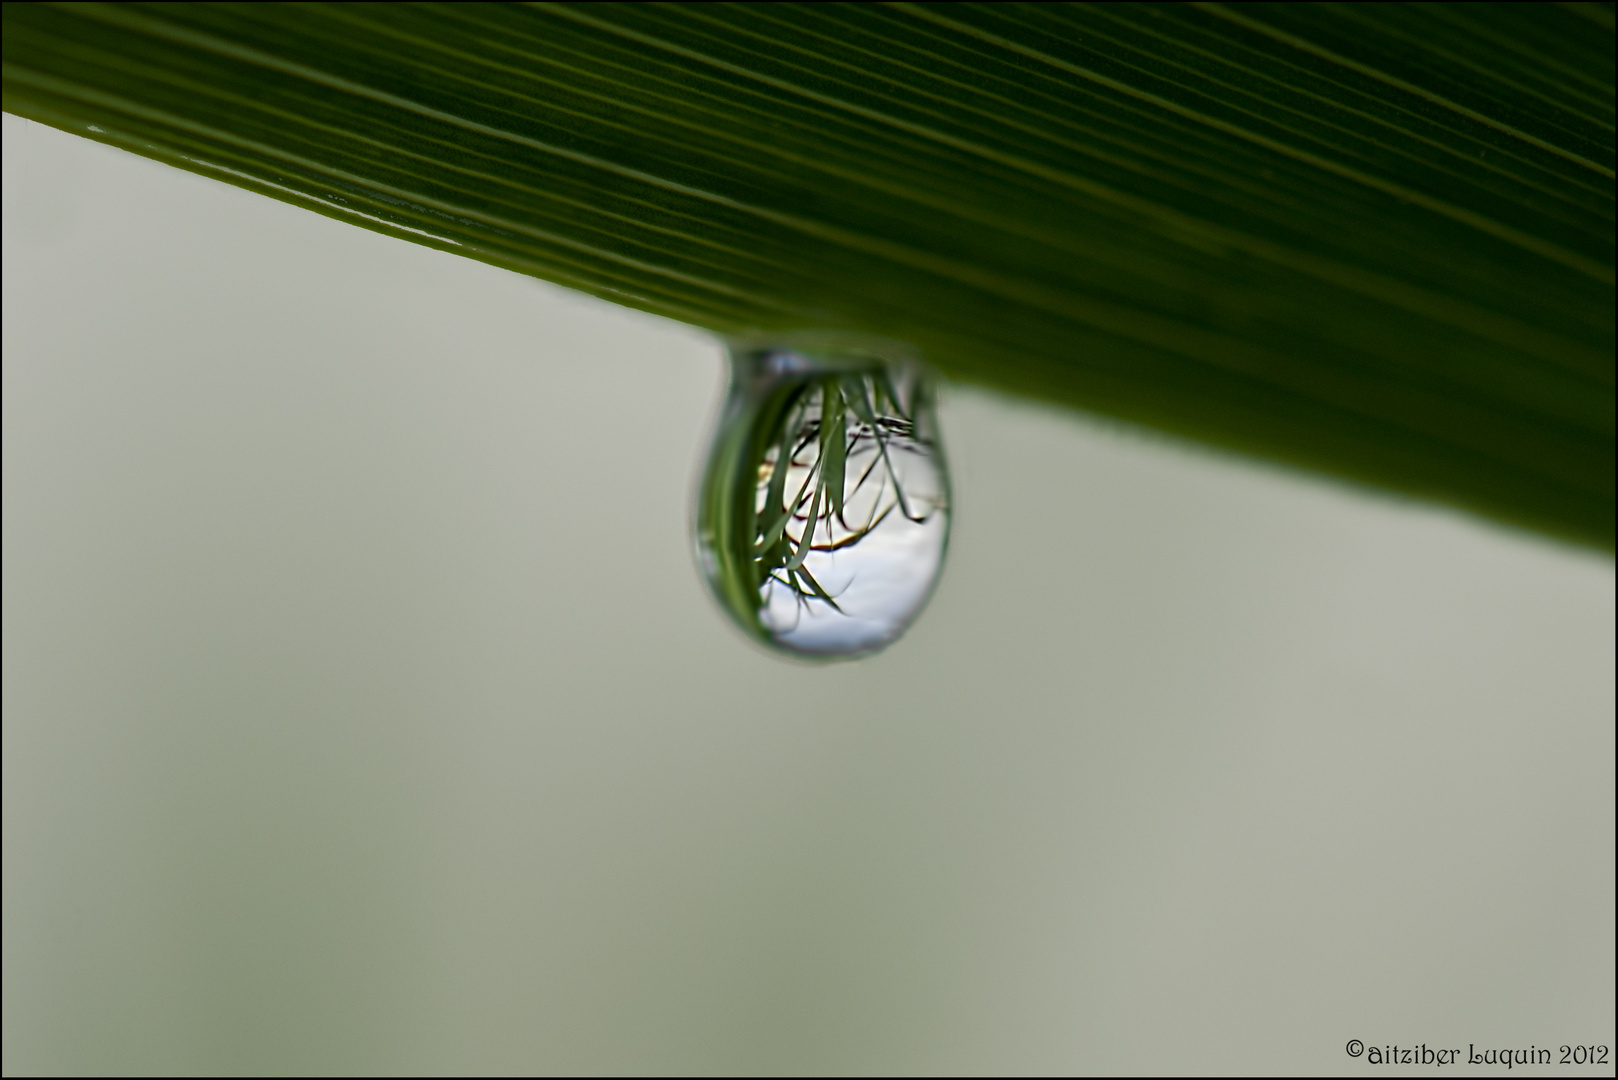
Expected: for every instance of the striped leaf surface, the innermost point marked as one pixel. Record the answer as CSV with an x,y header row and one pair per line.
x,y
1371,240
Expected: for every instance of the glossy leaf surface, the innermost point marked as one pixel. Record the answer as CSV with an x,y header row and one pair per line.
x,y
1371,240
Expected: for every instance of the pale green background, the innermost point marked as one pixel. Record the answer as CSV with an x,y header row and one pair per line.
x,y
363,711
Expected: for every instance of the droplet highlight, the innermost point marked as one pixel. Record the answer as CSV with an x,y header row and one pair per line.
x,y
823,513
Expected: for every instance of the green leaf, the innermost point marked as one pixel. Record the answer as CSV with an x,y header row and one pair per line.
x,y
1370,240
814,589
806,544
833,443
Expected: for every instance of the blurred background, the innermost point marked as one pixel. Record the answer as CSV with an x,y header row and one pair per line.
x,y
363,710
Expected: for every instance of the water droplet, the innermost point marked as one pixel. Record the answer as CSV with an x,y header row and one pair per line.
x,y
824,508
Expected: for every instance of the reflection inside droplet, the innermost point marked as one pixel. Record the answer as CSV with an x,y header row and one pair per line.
x,y
824,509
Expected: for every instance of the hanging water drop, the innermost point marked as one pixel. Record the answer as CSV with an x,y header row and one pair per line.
x,y
823,513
